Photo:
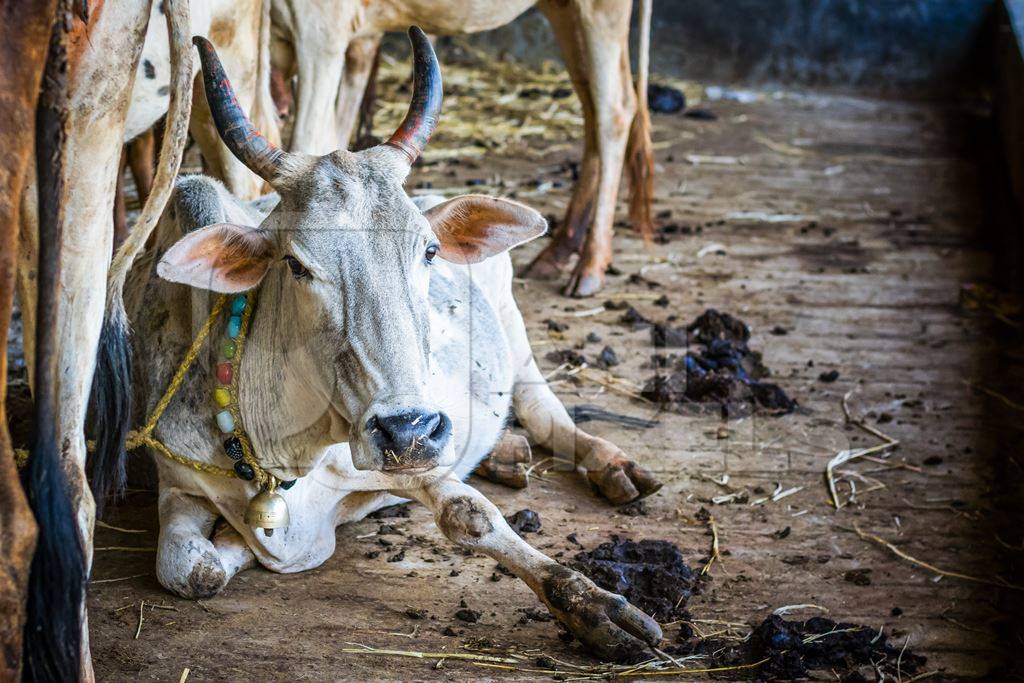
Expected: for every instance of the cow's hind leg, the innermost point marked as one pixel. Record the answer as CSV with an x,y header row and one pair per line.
x,y
594,39
616,476
605,622
188,563
508,462
360,61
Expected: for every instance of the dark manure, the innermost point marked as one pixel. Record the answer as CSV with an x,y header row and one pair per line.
x,y
651,574
718,369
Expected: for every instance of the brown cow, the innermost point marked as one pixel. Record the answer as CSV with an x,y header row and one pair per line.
x,y
82,123
333,67
24,36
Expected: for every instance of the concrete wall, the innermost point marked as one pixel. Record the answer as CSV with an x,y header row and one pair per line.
x,y
871,45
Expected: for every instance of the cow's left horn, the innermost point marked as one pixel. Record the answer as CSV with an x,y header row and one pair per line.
x,y
425,107
236,130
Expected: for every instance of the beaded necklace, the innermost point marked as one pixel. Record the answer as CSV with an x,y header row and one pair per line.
x,y
267,510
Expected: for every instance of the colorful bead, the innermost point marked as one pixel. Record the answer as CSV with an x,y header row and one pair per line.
x,y
229,348
225,421
287,484
224,373
233,447
244,470
238,305
234,326
222,397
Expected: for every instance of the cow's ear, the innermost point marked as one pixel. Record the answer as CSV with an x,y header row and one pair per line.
x,y
224,258
473,227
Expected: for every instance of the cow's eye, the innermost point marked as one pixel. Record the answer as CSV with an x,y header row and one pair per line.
x,y
431,253
298,270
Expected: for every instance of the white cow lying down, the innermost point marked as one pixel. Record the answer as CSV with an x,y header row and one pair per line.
x,y
383,353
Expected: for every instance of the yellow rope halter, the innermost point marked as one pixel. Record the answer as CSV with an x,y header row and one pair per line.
x,y
144,436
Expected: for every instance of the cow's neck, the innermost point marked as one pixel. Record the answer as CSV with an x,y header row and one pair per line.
x,y
284,409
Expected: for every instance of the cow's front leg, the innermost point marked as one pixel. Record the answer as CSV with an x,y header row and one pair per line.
x,y
605,622
188,563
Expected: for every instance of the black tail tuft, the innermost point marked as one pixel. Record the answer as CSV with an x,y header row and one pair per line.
x,y
56,585
110,409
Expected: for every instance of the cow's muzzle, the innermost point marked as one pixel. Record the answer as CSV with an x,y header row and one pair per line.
x,y
410,439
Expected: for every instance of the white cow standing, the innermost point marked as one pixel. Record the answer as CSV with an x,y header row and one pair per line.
x,y
383,352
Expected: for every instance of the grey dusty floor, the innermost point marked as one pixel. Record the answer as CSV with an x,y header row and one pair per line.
x,y
851,223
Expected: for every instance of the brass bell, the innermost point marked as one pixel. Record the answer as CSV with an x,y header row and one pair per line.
x,y
268,511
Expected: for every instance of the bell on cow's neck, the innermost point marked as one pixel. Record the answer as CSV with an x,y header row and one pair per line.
x,y
268,511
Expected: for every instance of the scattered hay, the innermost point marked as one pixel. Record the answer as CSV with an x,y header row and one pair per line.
x,y
1002,583
495,107
848,455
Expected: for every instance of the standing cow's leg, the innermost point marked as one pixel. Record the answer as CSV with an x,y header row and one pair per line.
x,y
142,160
120,205
360,58
320,59
617,477
245,64
639,150
101,73
594,37
188,563
605,622
23,45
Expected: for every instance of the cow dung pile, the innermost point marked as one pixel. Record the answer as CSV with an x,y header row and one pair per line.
x,y
650,574
790,650
717,369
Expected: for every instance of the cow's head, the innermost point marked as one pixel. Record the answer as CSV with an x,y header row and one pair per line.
x,y
348,256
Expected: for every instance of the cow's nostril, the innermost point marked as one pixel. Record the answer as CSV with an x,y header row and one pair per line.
x,y
410,438
442,430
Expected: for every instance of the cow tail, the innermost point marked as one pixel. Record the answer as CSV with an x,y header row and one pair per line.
x,y
111,391
56,585
639,153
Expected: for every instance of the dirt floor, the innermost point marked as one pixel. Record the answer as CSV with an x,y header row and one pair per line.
x,y
846,232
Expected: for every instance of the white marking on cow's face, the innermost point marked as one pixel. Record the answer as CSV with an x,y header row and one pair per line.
x,y
344,260
354,270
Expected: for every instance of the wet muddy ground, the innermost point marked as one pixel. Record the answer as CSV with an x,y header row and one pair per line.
x,y
842,231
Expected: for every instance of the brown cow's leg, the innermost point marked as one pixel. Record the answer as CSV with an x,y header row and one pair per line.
x,y
140,156
142,160
568,236
594,40
640,163
24,37
360,67
243,66
368,108
639,151
281,92
102,70
120,208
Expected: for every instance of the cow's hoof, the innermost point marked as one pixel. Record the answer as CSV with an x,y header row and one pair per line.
x,y
546,266
615,476
508,462
584,283
605,623
623,482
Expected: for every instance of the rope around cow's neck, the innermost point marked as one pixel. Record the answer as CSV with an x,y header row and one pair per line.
x,y
144,436
266,509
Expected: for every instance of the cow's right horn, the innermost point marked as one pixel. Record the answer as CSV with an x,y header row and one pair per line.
x,y
425,108
235,128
